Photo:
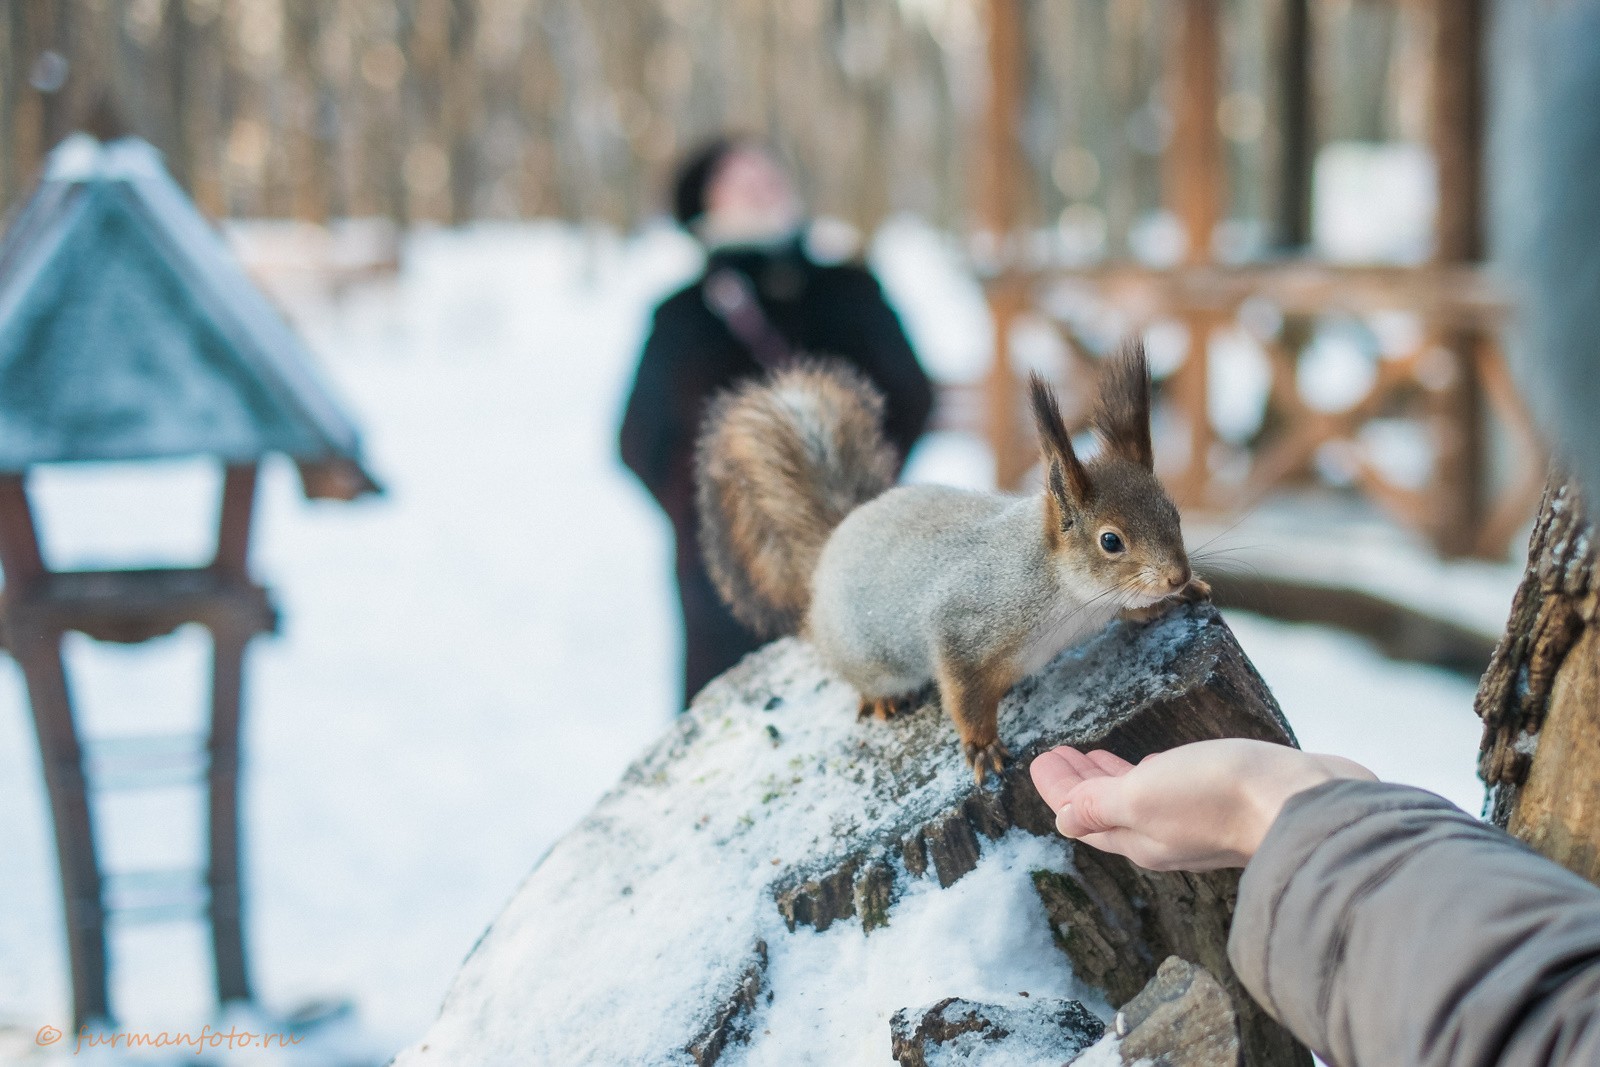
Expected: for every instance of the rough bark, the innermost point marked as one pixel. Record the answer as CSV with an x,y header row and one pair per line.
x,y
1181,1018
1540,698
771,807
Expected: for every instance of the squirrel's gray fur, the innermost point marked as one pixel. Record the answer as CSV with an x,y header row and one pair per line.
x,y
899,587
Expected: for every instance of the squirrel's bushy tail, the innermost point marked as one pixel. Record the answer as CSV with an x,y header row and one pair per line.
x,y
781,462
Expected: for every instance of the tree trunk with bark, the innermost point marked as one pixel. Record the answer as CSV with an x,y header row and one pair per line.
x,y
1540,698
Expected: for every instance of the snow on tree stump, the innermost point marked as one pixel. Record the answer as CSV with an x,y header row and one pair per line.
x,y
658,930
955,1031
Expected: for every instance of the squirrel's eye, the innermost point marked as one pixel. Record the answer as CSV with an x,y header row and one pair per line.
x,y
1111,543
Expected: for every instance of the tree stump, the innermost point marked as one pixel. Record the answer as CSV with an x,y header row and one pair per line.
x,y
1181,1018
1540,698
769,815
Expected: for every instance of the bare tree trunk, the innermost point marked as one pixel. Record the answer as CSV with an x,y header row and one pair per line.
x,y
1540,698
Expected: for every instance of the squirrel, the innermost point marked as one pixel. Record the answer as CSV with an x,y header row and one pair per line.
x,y
804,532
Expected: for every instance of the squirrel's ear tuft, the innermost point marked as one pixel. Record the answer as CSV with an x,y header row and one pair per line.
x,y
1064,474
1123,415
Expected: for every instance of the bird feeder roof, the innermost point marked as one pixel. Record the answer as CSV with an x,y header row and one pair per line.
x,y
128,331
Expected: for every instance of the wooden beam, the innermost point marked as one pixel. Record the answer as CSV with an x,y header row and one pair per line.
x,y
1458,295
1457,112
1399,631
1008,300
1195,192
1460,434
1297,140
1003,172
38,652
20,557
1195,174
1000,194
233,525
223,868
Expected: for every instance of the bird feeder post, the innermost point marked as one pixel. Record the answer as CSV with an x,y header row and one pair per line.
x,y
171,352
229,641
37,649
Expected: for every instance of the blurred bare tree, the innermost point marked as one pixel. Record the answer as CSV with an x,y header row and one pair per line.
x,y
454,109
448,110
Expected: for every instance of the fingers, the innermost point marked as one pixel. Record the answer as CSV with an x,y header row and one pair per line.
x,y
1054,776
1057,772
1109,762
1094,806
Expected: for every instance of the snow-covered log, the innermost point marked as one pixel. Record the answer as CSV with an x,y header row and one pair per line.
x,y
775,879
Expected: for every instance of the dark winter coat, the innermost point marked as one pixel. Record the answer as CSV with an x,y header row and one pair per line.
x,y
1385,927
691,354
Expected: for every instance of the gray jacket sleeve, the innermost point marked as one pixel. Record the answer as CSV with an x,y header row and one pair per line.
x,y
1382,925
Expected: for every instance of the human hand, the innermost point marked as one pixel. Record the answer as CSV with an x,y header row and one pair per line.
x,y
1197,807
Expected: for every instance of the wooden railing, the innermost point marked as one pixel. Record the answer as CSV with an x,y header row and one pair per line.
x,y
1448,385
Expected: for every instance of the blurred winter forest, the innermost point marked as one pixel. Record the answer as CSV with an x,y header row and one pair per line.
x,y
451,110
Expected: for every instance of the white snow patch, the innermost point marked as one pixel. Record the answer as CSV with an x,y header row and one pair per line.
x,y
1106,1052
985,939
1407,723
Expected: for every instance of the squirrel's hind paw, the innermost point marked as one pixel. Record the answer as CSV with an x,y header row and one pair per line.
x,y
986,758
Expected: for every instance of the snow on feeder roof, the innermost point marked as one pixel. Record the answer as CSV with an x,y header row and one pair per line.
x,y
128,331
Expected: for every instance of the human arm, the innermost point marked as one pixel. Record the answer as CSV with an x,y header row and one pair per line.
x,y
1380,924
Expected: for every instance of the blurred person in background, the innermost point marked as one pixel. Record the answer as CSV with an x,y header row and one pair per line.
x,y
761,302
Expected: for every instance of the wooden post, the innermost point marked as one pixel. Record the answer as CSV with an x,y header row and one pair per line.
x,y
1195,191
38,653
222,871
1458,404
230,637
37,649
19,540
1003,177
1008,300
233,524
1297,126
999,197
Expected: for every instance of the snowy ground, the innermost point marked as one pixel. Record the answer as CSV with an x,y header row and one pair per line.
x,y
469,662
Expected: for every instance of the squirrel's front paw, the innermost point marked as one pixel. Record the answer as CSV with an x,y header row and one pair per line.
x,y
984,758
1197,590
883,708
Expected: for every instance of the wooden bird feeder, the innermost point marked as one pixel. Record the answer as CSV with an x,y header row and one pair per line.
x,y
129,333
